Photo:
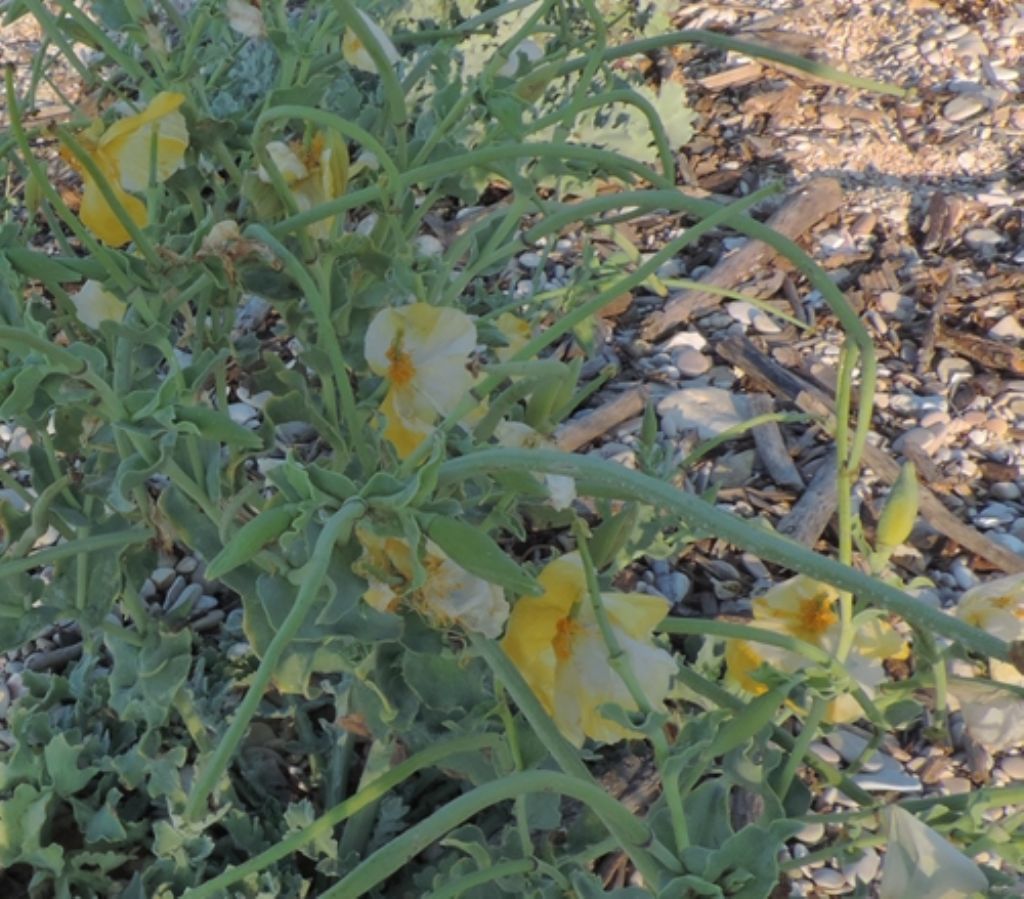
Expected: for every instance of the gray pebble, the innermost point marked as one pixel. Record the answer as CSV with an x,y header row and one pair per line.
x,y
205,603
864,869
530,260
691,363
995,514
765,324
965,578
955,786
956,31
963,107
829,880
174,591
825,752
241,413
183,600
679,586
162,577
1013,544
983,238
1005,490
187,565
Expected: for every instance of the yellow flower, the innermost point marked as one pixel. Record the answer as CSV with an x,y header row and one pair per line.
x,y
122,153
94,305
245,18
356,54
448,596
555,642
996,607
421,351
314,174
804,608
516,331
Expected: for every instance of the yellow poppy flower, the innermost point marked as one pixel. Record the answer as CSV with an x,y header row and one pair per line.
x,y
422,352
804,608
314,174
449,595
357,56
555,642
122,153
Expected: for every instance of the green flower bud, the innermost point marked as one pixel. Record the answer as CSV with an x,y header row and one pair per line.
x,y
900,510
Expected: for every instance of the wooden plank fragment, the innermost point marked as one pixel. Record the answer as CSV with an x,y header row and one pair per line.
x,y
786,385
807,520
771,448
573,434
804,208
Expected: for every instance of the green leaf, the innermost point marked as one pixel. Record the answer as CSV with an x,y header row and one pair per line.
x,y
62,765
145,680
250,538
214,425
471,548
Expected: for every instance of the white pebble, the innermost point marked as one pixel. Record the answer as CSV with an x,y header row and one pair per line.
x,y
1013,766
864,869
829,880
691,363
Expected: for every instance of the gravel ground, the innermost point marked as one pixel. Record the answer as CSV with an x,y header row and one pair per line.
x,y
927,243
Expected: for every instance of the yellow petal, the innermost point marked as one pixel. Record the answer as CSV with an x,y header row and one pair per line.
x,y
742,659
127,143
356,55
636,614
802,605
287,161
454,596
996,606
94,305
99,217
404,432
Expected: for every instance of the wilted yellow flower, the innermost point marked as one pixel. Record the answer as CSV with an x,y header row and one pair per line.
x,y
314,174
122,153
805,608
516,331
422,351
994,717
245,18
555,642
996,607
94,305
448,596
920,862
358,56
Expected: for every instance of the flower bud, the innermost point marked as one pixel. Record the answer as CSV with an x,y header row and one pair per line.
x,y
900,511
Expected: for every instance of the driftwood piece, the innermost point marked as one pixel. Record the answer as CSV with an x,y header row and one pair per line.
x,y
802,209
807,520
785,384
771,448
578,432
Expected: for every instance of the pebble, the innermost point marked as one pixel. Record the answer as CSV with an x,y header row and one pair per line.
x,y
707,410
1013,766
984,239
825,752
811,833
995,514
952,369
851,747
241,413
530,260
162,577
187,565
174,591
963,107
691,363
829,880
765,324
926,440
1007,327
692,339
955,786
864,869
965,578
741,311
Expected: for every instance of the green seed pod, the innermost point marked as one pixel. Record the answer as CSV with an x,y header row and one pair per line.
x,y
250,538
900,511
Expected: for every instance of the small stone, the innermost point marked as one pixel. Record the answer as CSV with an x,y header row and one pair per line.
x,y
1013,766
995,514
765,324
864,869
530,260
183,599
174,591
1013,544
956,31
187,565
964,577
204,604
955,786
148,590
952,369
998,427
707,410
983,239
741,311
428,245
691,363
832,121
692,339
679,586
811,833
829,880
922,438
162,578
1008,327
963,107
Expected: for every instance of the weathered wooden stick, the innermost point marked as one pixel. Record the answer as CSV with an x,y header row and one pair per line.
x,y
807,520
578,432
802,209
785,384
771,448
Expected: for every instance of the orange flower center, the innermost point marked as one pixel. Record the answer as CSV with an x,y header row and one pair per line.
x,y
565,631
401,370
815,617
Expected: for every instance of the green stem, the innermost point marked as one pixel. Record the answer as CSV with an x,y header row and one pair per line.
x,y
632,833
394,96
605,478
337,528
463,885
325,824
845,474
700,451
91,544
